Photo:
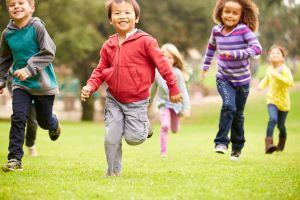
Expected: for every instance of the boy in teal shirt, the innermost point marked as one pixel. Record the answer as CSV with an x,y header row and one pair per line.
x,y
28,48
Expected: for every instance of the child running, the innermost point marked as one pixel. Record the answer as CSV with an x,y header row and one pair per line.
x,y
235,42
170,112
28,48
279,79
127,64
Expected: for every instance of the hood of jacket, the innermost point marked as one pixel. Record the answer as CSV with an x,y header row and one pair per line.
x,y
12,26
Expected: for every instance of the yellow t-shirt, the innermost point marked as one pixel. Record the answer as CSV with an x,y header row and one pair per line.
x,y
279,81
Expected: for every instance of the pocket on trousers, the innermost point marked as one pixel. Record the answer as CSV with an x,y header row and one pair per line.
x,y
143,117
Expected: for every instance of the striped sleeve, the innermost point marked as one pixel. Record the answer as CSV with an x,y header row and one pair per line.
x,y
210,51
254,48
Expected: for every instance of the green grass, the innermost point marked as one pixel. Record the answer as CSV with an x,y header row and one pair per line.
x,y
73,167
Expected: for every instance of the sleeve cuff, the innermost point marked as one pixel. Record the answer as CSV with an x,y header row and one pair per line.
x,y
28,71
174,90
205,67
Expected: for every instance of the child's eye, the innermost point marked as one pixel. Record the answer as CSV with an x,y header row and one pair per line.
x,y
128,13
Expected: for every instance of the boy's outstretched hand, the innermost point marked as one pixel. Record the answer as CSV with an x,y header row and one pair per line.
x,y
21,74
85,92
176,98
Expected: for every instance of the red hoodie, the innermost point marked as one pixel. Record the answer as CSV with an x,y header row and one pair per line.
x,y
129,69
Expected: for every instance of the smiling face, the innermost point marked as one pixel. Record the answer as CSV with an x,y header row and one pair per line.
x,y
231,14
20,10
123,18
276,56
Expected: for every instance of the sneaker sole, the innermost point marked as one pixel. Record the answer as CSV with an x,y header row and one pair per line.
x,y
220,151
6,170
271,150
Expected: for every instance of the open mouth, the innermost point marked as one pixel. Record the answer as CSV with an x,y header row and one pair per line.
x,y
18,12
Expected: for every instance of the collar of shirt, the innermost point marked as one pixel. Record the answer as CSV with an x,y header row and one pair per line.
x,y
131,33
220,28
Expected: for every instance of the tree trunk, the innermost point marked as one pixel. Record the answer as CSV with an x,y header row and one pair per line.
x,y
87,109
83,73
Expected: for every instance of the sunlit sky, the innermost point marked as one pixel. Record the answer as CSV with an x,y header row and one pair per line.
x,y
296,1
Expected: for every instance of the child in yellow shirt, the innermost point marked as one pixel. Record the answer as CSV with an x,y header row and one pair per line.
x,y
279,79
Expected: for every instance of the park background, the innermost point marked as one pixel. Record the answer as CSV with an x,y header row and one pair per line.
x,y
73,167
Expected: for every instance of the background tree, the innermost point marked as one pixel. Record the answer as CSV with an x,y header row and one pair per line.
x,y
79,28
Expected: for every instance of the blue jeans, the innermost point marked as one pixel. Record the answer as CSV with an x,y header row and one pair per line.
x,y
232,114
31,127
21,103
276,117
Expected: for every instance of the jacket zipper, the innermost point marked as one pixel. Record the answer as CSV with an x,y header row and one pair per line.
x,y
118,67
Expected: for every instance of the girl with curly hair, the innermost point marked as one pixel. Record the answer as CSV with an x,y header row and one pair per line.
x,y
234,40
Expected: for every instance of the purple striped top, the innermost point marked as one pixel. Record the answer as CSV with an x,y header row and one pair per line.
x,y
242,44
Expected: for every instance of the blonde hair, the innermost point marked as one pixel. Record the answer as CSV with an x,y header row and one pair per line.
x,y
178,61
249,13
31,2
171,49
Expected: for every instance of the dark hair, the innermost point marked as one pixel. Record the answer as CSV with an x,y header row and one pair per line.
x,y
135,5
280,48
249,12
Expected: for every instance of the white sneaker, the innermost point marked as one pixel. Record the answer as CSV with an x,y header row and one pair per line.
x,y
221,148
235,156
32,151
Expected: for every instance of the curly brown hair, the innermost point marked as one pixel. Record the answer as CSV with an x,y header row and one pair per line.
x,y
249,13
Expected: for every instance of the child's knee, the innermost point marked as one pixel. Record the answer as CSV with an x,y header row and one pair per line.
x,y
273,120
229,108
19,118
135,138
164,129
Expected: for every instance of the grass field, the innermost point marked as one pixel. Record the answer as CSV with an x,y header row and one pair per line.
x,y
73,167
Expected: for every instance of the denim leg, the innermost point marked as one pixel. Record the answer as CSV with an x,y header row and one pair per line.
x,y
31,127
273,118
281,123
237,128
43,107
227,92
20,103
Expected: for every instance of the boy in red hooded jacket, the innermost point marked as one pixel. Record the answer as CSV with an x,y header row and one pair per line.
x,y
127,64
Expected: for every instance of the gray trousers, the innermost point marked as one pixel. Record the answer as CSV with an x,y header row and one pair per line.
x,y
129,120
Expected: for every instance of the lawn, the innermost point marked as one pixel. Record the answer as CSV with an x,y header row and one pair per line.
x,y
74,166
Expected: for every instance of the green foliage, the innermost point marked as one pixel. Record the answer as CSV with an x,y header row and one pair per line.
x,y
184,23
73,167
79,28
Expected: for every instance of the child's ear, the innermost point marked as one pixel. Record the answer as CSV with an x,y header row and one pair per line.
x,y
32,9
137,20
